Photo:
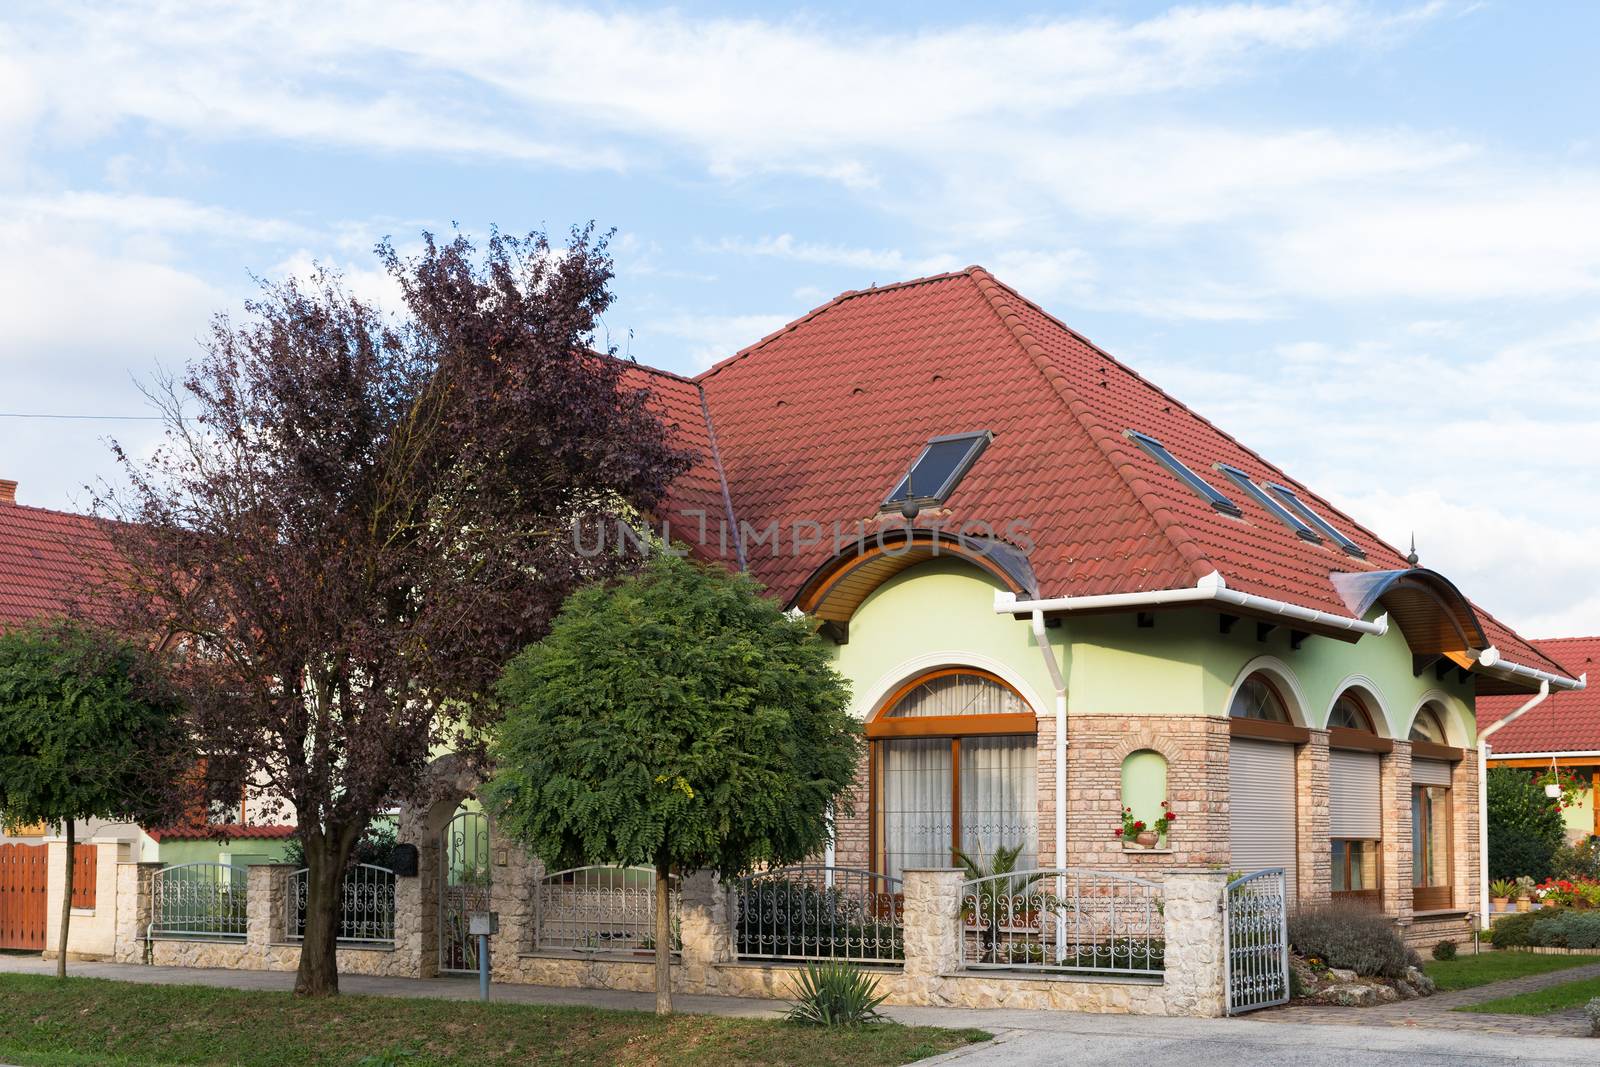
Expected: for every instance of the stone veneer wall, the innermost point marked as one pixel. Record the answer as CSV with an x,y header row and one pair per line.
x,y
852,840
1313,854
1394,786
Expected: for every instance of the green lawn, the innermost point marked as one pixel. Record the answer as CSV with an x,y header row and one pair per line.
x,y
87,1021
1467,972
1543,1001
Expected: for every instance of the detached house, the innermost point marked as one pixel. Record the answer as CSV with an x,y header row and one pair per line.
x,y
1059,592
1561,734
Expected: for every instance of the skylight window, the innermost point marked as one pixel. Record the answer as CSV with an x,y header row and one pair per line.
x,y
1298,506
943,461
1158,452
1283,514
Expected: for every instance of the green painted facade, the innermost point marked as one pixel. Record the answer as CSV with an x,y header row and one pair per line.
x,y
242,853
941,613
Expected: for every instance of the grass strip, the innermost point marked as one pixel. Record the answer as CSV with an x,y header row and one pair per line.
x,y
89,1022
1561,997
1469,972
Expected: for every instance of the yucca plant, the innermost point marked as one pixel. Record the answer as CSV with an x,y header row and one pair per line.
x,y
835,993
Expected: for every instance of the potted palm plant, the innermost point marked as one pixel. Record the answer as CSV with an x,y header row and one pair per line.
x,y
1500,892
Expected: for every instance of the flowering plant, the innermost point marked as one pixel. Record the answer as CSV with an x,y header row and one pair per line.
x,y
1132,827
1569,784
1570,893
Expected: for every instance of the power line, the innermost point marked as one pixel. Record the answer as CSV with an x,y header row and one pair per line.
x,y
100,418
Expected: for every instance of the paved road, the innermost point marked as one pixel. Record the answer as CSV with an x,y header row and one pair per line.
x,y
1023,1037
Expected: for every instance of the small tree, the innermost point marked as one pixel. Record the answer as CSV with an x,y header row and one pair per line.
x,y
1525,827
677,719
86,731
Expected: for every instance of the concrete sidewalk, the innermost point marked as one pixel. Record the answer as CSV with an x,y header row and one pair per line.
x,y
1022,1037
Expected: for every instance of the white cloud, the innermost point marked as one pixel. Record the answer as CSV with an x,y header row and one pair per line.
x,y
716,337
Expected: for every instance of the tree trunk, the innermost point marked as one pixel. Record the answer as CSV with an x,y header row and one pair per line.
x,y
66,901
318,974
663,940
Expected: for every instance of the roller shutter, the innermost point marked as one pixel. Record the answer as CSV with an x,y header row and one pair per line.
x,y
1430,772
1261,805
1354,802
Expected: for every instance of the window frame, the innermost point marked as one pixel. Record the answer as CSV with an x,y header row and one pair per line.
x,y
1434,897
1373,896
883,727
980,440
1243,481
1184,473
1291,500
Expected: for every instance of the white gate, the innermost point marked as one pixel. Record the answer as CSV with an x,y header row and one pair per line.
x,y
1255,933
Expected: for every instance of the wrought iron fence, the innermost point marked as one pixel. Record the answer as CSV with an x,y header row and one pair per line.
x,y
366,905
817,913
1060,919
1255,943
200,900
601,909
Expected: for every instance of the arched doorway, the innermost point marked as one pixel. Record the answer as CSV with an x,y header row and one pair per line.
x,y
464,886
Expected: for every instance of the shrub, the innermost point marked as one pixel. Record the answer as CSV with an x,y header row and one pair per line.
x,y
1444,950
1512,931
1580,862
835,994
1351,936
1592,1010
1525,829
1566,929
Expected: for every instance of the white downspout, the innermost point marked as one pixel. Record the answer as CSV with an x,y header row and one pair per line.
x,y
1041,638
1483,797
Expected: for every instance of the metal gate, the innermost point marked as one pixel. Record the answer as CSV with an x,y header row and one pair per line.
x,y
464,887
1255,941
22,896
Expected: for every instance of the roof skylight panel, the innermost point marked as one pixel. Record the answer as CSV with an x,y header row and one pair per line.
x,y
1277,510
1158,452
939,468
1299,507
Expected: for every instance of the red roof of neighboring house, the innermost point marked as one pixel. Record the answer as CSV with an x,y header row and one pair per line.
x,y
47,560
818,421
1565,722
230,831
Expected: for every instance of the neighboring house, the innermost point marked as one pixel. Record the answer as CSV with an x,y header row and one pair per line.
x,y
48,562
1563,733
1087,551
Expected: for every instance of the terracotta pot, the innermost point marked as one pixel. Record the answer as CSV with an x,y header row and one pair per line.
x,y
1524,904
1500,902
1148,839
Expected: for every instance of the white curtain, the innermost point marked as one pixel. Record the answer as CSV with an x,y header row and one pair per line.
x,y
958,694
916,804
999,806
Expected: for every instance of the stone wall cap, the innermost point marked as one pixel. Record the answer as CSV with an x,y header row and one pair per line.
x,y
932,870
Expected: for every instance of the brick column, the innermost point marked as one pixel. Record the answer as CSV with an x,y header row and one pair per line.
x,y
706,928
1314,857
852,829
932,922
1395,788
1192,925
266,908
1045,791
1466,872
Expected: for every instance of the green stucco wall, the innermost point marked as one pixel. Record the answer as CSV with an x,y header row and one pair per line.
x,y
942,613
1144,784
241,853
1579,815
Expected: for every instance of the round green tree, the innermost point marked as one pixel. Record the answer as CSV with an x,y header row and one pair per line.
x,y
87,731
676,719
1525,826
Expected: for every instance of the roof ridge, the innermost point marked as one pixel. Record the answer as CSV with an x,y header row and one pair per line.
x,y
848,294
1257,456
1553,640
88,517
1109,445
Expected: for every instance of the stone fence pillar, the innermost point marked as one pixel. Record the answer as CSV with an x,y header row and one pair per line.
x,y
134,900
932,922
705,926
267,906
1192,920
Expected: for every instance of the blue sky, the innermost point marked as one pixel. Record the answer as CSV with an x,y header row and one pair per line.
x,y
1364,238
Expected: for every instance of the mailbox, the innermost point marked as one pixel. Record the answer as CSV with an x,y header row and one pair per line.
x,y
480,923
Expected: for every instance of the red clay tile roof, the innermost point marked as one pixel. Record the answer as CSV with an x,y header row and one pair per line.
x,y
818,421
1566,721
47,561
230,831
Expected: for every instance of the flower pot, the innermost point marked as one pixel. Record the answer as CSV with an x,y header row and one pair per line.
x,y
1148,839
1524,904
1500,902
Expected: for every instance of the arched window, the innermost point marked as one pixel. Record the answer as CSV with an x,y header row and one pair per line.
x,y
1351,714
955,767
1355,819
1429,724
1257,699
1144,784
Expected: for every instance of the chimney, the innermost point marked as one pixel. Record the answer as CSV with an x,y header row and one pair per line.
x,y
8,491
